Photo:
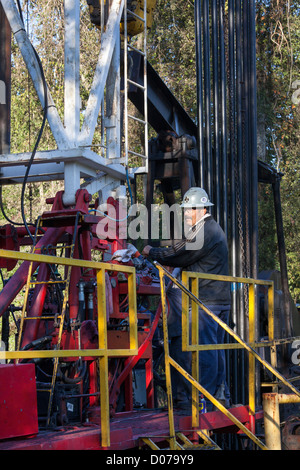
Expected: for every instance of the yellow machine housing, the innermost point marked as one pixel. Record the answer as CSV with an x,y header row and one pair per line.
x,y
135,26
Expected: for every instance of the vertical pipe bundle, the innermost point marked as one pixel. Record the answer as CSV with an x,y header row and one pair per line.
x,y
227,142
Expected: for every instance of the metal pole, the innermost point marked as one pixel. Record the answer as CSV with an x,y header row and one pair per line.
x,y
282,257
72,65
223,126
253,187
272,421
33,67
5,82
5,98
253,129
167,362
207,98
234,236
271,402
201,165
216,86
72,95
146,162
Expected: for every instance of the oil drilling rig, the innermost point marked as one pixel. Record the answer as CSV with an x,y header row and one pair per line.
x,y
85,357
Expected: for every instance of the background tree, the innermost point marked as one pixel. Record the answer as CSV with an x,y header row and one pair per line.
x,y
44,23
171,51
278,69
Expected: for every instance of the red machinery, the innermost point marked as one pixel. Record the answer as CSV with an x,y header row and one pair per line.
x,y
61,304
74,418
76,383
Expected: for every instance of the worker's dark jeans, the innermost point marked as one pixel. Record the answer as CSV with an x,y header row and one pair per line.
x,y
181,387
212,363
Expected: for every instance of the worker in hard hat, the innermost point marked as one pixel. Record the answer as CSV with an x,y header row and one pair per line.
x,y
181,387
203,250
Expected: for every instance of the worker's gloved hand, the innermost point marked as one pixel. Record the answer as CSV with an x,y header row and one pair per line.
x,y
146,250
125,255
131,249
121,255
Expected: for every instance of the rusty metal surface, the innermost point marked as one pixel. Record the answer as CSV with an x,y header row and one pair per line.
x,y
126,430
291,434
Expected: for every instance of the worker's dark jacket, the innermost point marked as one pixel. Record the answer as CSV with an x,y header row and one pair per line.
x,y
210,257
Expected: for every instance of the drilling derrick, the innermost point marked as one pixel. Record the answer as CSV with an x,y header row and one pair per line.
x,y
91,357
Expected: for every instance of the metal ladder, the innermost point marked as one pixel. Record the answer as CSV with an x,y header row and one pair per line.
x,y
184,443
58,319
129,14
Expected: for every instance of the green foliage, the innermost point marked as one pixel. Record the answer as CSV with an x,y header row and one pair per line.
x,y
278,30
171,51
267,230
46,31
291,209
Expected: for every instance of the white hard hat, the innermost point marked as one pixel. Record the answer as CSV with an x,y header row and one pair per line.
x,y
196,197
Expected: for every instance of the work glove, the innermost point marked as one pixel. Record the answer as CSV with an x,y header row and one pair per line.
x,y
125,255
132,250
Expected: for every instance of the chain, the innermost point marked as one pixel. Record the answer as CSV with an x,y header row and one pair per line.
x,y
236,187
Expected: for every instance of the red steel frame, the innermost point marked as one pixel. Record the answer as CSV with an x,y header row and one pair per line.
x,y
57,226
126,427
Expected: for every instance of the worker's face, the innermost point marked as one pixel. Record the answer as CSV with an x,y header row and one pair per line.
x,y
192,215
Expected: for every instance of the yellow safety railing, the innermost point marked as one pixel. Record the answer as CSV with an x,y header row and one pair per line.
x,y
102,352
192,278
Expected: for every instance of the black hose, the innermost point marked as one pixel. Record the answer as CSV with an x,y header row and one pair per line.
x,y
75,380
80,313
37,343
36,144
40,132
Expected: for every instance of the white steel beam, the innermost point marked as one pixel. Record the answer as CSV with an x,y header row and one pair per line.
x,y
72,67
72,95
39,172
31,62
84,157
113,105
73,158
108,41
72,183
101,183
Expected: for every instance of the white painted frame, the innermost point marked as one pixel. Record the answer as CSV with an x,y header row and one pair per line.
x,y
73,157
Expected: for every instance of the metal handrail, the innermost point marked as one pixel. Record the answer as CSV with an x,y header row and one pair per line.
x,y
102,352
193,379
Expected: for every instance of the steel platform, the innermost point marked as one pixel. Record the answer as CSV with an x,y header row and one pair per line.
x,y
126,430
